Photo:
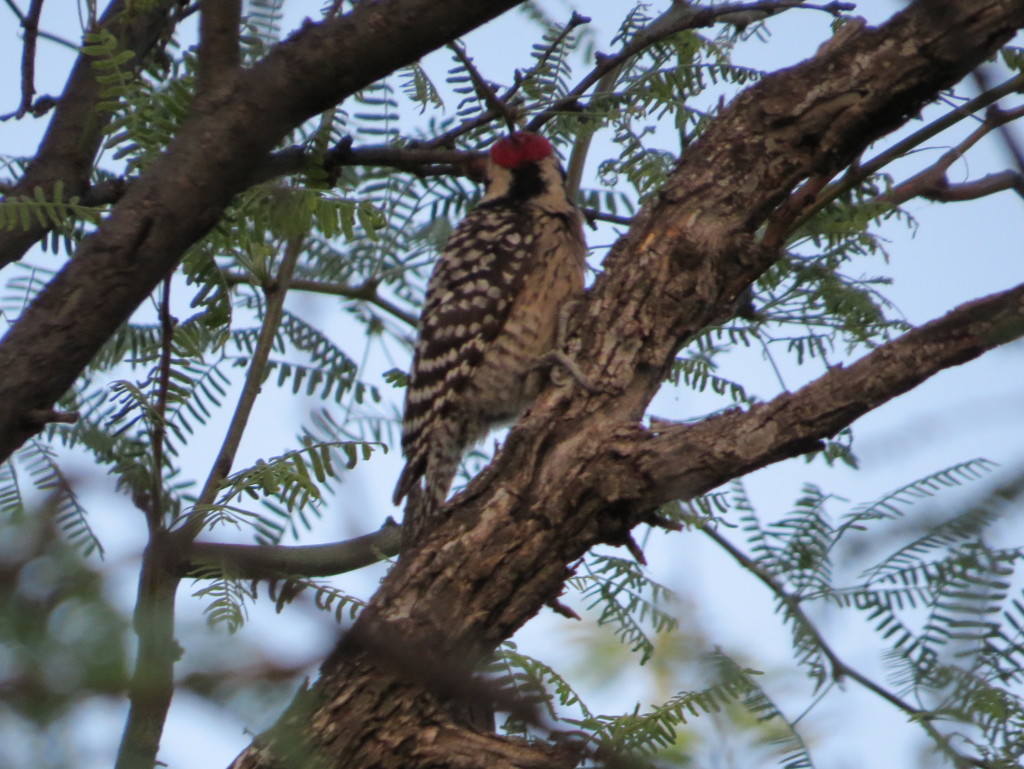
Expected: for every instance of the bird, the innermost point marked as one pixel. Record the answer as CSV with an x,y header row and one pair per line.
x,y
494,307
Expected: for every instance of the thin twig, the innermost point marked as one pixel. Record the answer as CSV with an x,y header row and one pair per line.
x,y
858,173
1009,142
366,292
15,9
155,510
29,23
933,179
575,20
275,294
448,138
679,17
484,90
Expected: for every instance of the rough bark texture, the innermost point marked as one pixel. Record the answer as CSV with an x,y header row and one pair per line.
x,y
579,469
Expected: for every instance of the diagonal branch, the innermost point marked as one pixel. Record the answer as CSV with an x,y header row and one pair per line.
x,y
201,559
840,669
687,460
680,17
275,296
29,23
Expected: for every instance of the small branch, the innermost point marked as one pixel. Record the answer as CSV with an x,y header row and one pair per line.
x,y
29,23
593,215
38,418
421,160
448,138
483,89
155,509
932,182
1012,147
366,293
578,159
253,381
219,55
575,20
858,173
987,185
15,10
206,559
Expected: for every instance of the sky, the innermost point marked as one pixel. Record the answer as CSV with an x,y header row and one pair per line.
x,y
958,252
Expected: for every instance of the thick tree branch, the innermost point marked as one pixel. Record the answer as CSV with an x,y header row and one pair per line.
x,y
183,193
687,460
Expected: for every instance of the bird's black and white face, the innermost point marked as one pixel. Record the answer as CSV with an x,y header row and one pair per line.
x,y
523,169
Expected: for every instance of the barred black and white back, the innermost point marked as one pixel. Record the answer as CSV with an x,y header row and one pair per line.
x,y
491,313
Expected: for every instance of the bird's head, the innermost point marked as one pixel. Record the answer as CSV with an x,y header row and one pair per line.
x,y
524,168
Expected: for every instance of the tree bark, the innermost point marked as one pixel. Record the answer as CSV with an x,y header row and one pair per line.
x,y
579,469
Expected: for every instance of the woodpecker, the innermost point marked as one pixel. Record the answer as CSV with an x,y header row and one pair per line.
x,y
492,312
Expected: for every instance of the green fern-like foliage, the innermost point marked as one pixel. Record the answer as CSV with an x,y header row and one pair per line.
x,y
944,602
627,599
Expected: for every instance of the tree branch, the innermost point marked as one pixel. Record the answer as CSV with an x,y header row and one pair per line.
x,y
366,292
275,295
679,17
932,182
801,210
735,443
219,54
200,559
29,23
840,669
